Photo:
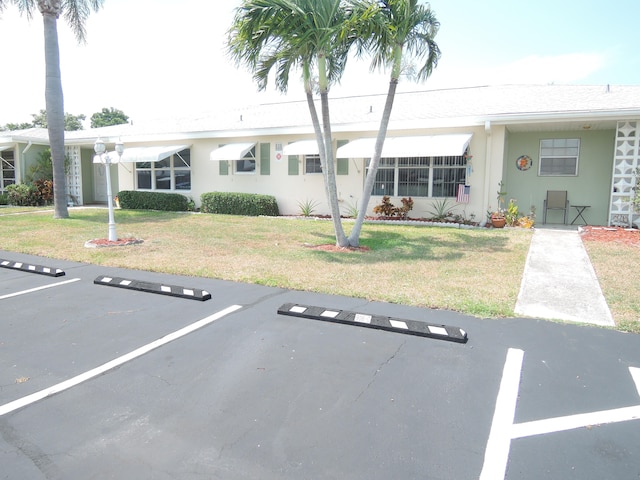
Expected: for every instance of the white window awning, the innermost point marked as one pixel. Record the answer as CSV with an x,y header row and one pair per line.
x,y
425,146
303,147
3,148
232,151
142,154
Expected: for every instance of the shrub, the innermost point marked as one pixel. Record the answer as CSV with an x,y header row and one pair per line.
x,y
308,207
441,210
23,195
388,209
45,190
169,202
231,203
4,199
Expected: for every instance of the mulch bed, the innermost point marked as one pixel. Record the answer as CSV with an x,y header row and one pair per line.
x,y
103,242
627,236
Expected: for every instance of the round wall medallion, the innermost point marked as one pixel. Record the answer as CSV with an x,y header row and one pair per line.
x,y
524,162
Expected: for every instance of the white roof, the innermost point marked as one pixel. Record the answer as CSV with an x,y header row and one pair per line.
x,y
566,106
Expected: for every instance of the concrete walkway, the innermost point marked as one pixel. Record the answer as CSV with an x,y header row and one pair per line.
x,y
559,281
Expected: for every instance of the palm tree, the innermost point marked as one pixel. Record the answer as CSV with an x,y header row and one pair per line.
x,y
75,13
401,27
313,35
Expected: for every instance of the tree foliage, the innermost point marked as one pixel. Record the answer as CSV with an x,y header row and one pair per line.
x,y
107,117
71,122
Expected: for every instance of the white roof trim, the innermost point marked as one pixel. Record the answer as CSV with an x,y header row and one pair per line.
x,y
232,151
303,147
425,146
141,154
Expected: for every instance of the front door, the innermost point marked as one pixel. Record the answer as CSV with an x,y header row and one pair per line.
x,y
99,183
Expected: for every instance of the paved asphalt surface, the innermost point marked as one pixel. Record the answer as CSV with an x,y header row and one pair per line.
x,y
94,384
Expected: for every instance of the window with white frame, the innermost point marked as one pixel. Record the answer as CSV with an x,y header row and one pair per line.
x,y
420,176
248,163
559,157
312,164
7,169
171,173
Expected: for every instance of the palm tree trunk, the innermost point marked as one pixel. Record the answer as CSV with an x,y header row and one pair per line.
x,y
341,238
330,175
354,236
55,113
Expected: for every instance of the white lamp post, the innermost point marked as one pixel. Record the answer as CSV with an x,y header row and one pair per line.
x,y
100,149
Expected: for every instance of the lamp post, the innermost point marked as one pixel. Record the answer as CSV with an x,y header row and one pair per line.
x,y
100,148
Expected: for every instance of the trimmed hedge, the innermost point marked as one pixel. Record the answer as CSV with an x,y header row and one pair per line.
x,y
230,203
170,202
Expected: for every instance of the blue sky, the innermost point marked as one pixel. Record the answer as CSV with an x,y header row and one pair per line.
x,y
171,62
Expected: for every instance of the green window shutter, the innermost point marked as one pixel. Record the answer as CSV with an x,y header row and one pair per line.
x,y
265,159
343,163
223,167
294,167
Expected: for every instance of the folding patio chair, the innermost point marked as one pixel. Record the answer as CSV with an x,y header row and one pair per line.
x,y
556,200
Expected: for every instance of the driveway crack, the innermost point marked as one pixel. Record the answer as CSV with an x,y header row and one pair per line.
x,y
379,369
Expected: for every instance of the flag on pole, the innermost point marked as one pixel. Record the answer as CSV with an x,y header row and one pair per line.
x,y
463,194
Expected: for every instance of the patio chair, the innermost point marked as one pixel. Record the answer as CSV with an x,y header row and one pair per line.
x,y
556,200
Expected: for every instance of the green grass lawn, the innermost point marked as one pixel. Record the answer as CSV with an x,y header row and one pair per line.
x,y
474,271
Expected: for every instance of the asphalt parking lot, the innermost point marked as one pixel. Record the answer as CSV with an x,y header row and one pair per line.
x,y
101,382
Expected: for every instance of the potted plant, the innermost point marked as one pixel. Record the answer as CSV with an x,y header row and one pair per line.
x,y
497,218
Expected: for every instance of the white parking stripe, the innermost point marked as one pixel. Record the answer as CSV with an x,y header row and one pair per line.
x,y
496,455
31,290
83,377
635,375
571,422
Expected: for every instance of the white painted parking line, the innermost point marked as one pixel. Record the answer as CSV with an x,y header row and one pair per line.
x,y
503,430
37,289
635,375
83,377
571,422
496,455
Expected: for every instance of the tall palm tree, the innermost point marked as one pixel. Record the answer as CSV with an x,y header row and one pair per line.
x,y
313,35
75,13
401,28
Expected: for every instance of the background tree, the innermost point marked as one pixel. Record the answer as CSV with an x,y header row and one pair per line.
x,y
71,122
75,13
17,126
107,117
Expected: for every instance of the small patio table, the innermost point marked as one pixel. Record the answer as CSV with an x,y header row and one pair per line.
x,y
580,209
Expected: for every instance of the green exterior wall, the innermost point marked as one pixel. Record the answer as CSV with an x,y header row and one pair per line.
x,y
86,159
591,186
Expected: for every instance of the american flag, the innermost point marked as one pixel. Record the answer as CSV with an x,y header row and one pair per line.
x,y
463,194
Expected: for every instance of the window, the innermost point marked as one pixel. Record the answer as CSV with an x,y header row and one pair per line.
x,y
420,176
7,169
248,162
312,164
171,173
559,157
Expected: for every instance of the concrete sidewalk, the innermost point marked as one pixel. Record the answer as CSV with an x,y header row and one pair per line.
x,y
559,281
